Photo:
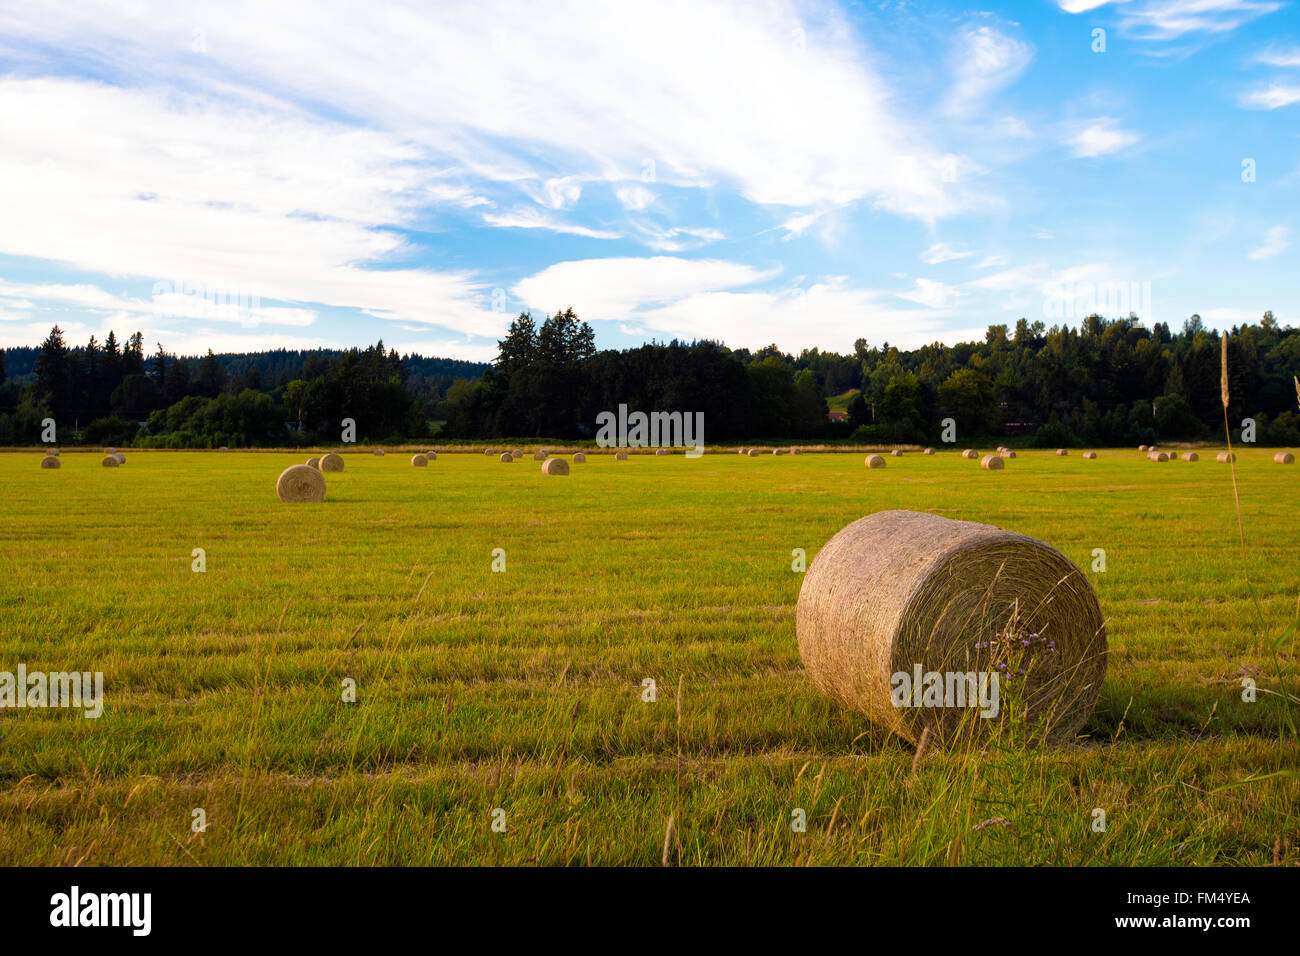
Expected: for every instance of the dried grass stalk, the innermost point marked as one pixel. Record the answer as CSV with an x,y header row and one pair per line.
x,y
299,483
901,589
331,462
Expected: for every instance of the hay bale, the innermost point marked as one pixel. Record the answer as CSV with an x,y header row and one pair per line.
x,y
898,590
740,451
993,463
777,451
1061,453
1284,458
796,451
331,462
430,456
488,451
121,458
1191,456
555,466
1006,453
506,456
1173,456
1143,448
110,461
538,456
579,458
1225,457
752,453
110,451
50,461
970,453
663,451
1089,455
928,451
223,448
620,455
379,452
300,483
1157,456
545,452
897,453
1153,448
419,461
874,461
314,463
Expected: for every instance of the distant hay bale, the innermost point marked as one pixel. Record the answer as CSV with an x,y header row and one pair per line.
x,y
777,451
663,451
874,461
1006,453
506,456
50,461
538,456
993,463
970,453
110,451
1153,448
331,462
1225,457
431,456
740,451
52,451
223,448
1157,456
1089,455
901,592
555,466
796,451
1061,452
1173,456
752,453
897,453
620,455
544,452
488,451
379,452
1191,456
1284,458
1143,448
110,461
928,451
579,458
314,463
300,483
419,461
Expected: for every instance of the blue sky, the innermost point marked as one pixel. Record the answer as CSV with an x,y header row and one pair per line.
x,y
238,177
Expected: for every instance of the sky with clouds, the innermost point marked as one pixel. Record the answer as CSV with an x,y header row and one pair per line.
x,y
247,175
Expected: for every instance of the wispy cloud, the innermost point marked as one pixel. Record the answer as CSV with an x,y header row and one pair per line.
x,y
1275,243
944,252
1171,19
1100,137
1272,97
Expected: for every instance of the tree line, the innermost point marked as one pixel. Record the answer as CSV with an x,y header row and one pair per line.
x,y
1107,382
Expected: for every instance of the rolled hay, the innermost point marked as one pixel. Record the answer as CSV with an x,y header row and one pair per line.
x,y
538,456
314,463
430,456
50,461
1153,448
778,451
488,451
379,452
663,451
223,448
419,461
1284,458
1173,456
906,593
796,451
52,451
897,453
1225,457
752,453
110,461
110,451
874,461
1006,453
545,451
1089,455
579,458
517,453
1191,456
993,463
1143,448
1061,452
331,462
121,458
970,453
740,451
300,483
620,455
1157,456
928,451
555,466
506,456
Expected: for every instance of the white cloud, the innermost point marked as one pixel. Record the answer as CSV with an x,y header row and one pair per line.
x,y
944,252
528,218
1100,137
930,293
635,198
1275,243
1284,57
1272,97
985,60
1170,19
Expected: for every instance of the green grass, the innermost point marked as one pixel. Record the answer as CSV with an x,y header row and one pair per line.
x,y
522,690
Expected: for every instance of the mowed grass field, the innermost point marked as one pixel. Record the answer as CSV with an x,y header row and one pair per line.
x,y
523,690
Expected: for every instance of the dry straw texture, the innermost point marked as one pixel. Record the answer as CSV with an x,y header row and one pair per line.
x,y
50,461
970,453
314,463
1090,455
1284,458
579,458
431,455
110,451
331,462
419,461
300,483
875,461
992,463
110,461
620,456
740,451
1191,456
1225,457
555,466
777,451
899,589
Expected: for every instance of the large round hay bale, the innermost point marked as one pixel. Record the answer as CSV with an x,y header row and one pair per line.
x,y
538,456
50,461
1153,448
740,451
300,483
1006,453
1173,455
555,466
506,456
796,451
993,463
620,455
579,458
1191,456
1157,456
1089,455
970,453
874,461
314,463
1061,452
110,461
905,593
752,453
379,452
419,461
121,458
1225,457
331,462
1284,458
431,455
928,451
488,451
1143,448
897,453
